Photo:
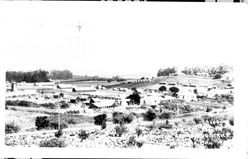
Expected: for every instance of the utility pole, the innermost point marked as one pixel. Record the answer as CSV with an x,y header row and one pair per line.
x,y
58,105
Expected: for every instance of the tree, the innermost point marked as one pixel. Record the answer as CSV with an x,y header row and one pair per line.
x,y
61,74
162,89
134,97
174,90
166,72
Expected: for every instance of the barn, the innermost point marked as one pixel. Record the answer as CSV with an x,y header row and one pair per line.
x,y
102,104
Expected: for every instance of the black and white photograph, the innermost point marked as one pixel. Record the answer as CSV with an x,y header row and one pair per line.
x,y
103,78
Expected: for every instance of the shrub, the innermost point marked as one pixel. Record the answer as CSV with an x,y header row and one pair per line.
x,y
139,144
205,118
73,112
214,122
165,115
98,120
223,134
197,120
162,89
24,103
12,102
128,118
41,122
132,142
212,141
11,128
71,121
59,133
186,109
48,105
208,109
231,121
117,118
83,135
138,131
120,129
167,122
149,115
55,142
120,118
217,76
64,105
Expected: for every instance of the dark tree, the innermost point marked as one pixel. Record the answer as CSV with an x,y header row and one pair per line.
x,y
162,89
29,77
174,90
166,72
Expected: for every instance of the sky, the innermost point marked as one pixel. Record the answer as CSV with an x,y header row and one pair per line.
x,y
114,41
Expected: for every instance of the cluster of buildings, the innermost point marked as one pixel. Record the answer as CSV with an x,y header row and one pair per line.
x,y
88,95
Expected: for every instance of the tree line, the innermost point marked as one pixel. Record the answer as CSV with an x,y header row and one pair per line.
x,y
37,75
58,74
215,72
29,77
166,71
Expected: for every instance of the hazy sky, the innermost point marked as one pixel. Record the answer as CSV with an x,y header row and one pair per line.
x,y
114,41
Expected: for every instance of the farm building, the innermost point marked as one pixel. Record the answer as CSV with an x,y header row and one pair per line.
x,y
166,100
11,87
85,89
102,104
65,87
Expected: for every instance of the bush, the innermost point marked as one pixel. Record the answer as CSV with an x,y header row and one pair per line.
x,y
83,135
162,89
186,109
213,122
128,118
117,118
41,122
165,115
11,128
132,142
120,129
231,121
48,105
120,118
59,133
139,144
73,112
55,142
208,109
138,131
98,120
12,102
24,103
71,121
197,120
216,138
64,105
217,76
149,115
